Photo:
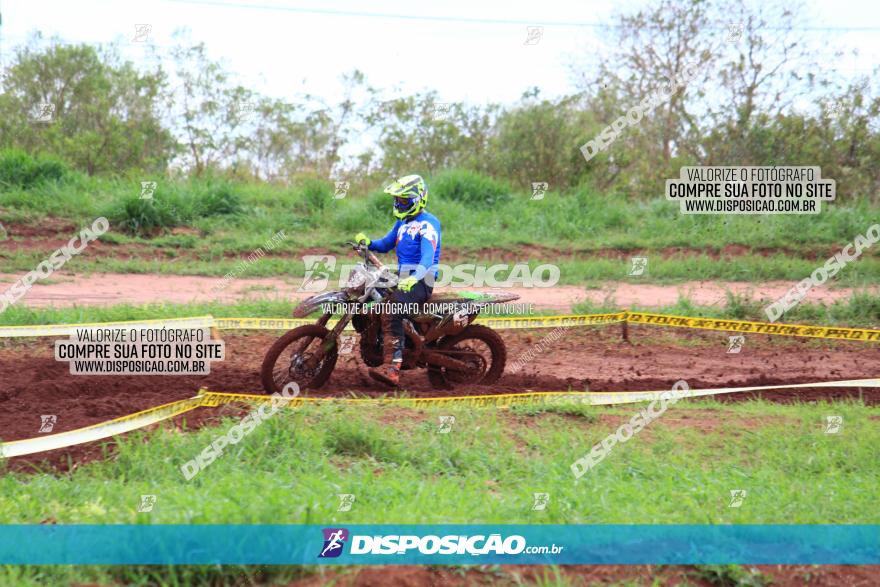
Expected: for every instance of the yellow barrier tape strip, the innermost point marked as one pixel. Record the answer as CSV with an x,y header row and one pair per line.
x,y
17,448
500,323
595,398
145,418
628,397
68,329
508,323
267,323
504,323
745,326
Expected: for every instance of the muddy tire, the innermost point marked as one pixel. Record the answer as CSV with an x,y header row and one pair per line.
x,y
280,368
493,365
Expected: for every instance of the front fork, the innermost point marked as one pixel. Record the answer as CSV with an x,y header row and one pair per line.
x,y
322,321
329,342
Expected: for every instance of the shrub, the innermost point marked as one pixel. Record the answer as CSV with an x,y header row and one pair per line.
x,y
380,204
218,200
314,195
468,187
19,169
135,215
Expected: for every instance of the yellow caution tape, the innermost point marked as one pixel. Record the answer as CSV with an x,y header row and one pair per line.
x,y
17,448
504,323
266,323
593,398
68,329
865,334
507,323
206,398
500,323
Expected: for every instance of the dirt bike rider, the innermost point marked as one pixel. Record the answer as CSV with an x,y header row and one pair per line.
x,y
416,238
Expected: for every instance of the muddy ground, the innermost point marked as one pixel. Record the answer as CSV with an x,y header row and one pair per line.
x,y
68,289
33,383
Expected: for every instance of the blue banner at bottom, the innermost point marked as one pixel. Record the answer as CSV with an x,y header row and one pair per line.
x,y
439,544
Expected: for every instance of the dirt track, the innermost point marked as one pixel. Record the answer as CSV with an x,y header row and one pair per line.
x,y
67,289
588,358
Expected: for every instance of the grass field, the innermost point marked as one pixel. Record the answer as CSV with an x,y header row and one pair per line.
x,y
249,212
484,470
218,222
401,469
676,268
859,310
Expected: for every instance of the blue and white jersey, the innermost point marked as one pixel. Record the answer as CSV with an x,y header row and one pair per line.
x,y
417,243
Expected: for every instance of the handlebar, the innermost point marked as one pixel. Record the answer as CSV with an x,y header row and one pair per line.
x,y
366,254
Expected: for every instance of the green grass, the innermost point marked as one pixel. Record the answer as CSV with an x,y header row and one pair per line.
x,y
483,471
860,310
730,576
228,221
188,575
240,216
183,255
153,575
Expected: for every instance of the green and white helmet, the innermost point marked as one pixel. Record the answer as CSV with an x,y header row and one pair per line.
x,y
410,195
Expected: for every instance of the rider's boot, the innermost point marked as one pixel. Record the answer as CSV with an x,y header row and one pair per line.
x,y
387,374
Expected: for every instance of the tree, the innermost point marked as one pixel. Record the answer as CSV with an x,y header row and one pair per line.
x,y
212,113
88,108
538,140
420,134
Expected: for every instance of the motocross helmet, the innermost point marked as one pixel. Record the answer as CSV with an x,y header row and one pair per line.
x,y
410,195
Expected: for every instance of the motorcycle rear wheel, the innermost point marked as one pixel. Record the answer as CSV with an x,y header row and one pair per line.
x,y
492,365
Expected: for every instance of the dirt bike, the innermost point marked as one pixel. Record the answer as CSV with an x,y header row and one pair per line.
x,y
447,344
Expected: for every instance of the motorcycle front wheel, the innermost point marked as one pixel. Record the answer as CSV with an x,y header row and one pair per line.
x,y
294,359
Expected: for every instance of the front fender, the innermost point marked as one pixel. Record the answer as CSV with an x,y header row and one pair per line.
x,y
311,304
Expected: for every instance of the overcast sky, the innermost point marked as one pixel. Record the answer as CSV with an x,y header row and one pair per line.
x,y
466,50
